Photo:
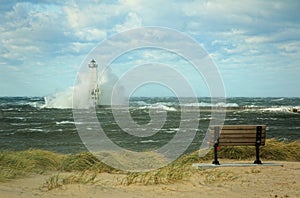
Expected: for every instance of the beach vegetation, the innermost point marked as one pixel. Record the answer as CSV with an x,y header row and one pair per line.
x,y
83,167
58,180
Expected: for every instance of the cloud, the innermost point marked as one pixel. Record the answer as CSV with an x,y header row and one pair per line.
x,y
52,37
290,47
28,29
132,20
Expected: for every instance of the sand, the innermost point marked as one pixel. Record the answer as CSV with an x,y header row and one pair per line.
x,y
262,181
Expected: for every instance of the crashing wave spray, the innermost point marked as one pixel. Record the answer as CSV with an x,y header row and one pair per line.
x,y
90,89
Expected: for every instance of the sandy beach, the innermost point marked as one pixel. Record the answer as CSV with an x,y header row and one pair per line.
x,y
253,181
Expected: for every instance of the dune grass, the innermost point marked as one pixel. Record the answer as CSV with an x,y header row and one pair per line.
x,y
14,164
181,168
273,150
84,162
20,163
58,180
84,166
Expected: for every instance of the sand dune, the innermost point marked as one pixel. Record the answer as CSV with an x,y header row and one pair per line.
x,y
262,181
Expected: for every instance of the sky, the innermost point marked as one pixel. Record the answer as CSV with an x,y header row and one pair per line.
x,y
254,44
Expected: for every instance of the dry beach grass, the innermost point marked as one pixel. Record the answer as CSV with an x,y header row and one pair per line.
x,y
43,173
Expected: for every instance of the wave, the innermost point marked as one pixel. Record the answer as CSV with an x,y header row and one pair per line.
x,y
82,95
277,109
278,99
61,100
282,108
205,104
20,103
149,141
268,109
158,106
36,130
65,122
64,100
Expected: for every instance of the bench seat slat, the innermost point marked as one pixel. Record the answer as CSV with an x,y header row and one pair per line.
x,y
224,140
237,131
244,135
239,144
239,127
237,137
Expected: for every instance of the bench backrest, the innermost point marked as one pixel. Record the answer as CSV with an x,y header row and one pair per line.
x,y
238,135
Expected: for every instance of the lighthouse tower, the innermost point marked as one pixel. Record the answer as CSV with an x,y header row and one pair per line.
x,y
93,83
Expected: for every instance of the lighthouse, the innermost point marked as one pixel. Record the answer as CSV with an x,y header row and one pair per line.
x,y
93,83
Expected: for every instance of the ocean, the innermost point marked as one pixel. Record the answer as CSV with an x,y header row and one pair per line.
x,y
27,122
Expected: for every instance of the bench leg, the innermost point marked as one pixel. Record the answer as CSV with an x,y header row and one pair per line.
x,y
216,162
257,161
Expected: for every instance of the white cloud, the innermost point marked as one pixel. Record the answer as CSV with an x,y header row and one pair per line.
x,y
90,34
132,20
83,15
257,39
79,48
290,47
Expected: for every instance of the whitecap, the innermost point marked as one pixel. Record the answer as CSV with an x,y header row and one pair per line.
x,y
277,109
162,107
158,106
149,141
65,122
278,99
38,130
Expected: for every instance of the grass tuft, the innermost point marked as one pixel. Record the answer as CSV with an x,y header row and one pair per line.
x,y
58,180
14,164
164,175
19,163
85,161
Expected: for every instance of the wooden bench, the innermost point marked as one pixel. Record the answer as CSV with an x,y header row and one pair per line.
x,y
237,135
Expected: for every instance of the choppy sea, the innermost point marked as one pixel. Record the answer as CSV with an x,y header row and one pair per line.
x,y
26,122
